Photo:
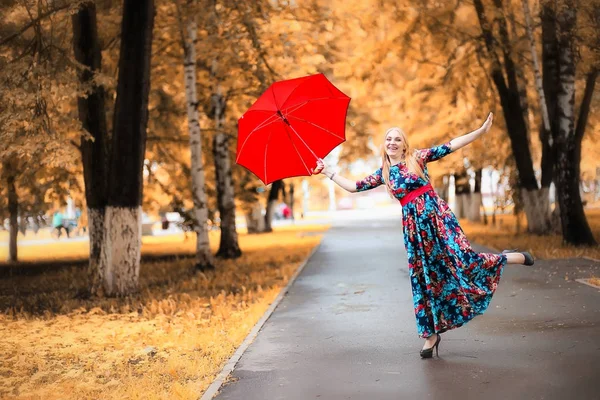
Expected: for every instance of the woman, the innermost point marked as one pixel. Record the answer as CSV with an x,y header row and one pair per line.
x,y
451,283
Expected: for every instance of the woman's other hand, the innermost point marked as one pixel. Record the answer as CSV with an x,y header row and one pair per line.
x,y
487,124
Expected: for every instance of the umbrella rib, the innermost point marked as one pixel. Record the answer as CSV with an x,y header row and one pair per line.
x,y
313,124
288,111
274,99
266,151
262,125
298,106
295,148
268,121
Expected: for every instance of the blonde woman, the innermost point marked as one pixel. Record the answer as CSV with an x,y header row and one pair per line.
x,y
451,283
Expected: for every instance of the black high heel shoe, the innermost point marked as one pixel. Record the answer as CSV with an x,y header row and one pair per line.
x,y
428,353
528,257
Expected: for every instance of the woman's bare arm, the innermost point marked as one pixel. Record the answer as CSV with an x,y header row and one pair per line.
x,y
466,139
345,183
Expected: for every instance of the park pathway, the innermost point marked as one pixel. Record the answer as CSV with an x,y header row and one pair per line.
x,y
346,330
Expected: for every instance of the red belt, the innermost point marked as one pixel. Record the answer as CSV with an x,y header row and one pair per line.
x,y
413,194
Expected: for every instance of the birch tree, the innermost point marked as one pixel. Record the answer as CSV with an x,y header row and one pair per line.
x,y
568,140
204,259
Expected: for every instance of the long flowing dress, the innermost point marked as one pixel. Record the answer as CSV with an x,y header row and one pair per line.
x,y
451,283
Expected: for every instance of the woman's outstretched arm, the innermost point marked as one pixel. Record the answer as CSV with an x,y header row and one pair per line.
x,y
345,183
465,139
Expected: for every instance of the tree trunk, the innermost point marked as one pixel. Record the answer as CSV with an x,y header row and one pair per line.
x,y
537,210
94,151
584,112
292,201
550,86
13,211
462,191
204,259
474,213
522,81
575,228
97,268
255,222
228,246
444,187
510,100
122,230
543,206
271,202
536,67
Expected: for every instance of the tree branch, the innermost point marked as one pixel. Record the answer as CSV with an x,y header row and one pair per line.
x,y
33,22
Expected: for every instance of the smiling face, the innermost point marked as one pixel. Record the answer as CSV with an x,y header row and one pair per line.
x,y
394,144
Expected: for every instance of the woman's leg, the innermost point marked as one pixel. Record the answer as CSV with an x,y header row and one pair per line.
x,y
515,258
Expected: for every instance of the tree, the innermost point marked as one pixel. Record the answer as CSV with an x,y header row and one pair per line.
x,y
94,145
545,130
508,91
203,255
37,139
228,244
122,229
276,187
568,138
13,210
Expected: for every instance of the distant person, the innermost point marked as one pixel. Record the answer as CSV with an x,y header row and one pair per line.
x,y
451,283
286,212
58,223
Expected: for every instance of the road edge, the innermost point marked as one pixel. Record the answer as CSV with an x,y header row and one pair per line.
x,y
215,386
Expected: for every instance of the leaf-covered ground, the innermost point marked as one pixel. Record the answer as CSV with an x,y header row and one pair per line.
x,y
168,341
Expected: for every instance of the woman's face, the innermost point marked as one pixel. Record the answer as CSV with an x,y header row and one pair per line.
x,y
394,145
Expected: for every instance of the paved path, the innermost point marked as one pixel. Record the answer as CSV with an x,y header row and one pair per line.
x,y
346,330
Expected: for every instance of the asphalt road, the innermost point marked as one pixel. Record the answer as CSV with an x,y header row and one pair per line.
x,y
346,330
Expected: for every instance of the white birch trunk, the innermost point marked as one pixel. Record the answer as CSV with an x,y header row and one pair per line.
x,y
536,67
121,250
203,255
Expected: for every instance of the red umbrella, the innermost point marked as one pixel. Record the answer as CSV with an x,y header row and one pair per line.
x,y
290,126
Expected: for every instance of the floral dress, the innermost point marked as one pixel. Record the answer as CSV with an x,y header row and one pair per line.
x,y
451,283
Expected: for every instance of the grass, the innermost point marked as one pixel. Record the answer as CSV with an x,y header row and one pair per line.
x,y
168,341
505,236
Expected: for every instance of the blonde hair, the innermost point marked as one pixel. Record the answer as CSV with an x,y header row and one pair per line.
x,y
412,163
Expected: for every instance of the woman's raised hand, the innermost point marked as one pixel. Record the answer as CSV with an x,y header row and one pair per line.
x,y
487,124
320,167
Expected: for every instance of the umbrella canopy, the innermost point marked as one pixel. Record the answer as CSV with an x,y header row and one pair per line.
x,y
292,124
